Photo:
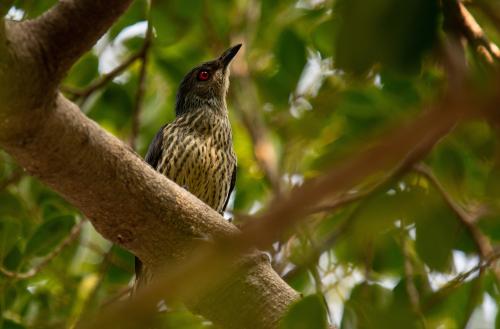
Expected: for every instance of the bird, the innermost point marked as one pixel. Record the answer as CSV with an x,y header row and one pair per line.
x,y
196,149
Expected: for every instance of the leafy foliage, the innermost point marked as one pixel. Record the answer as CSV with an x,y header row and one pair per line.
x,y
316,80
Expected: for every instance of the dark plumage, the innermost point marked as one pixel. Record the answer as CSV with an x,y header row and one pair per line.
x,y
195,150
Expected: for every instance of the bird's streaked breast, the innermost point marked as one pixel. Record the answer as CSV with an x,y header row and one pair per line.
x,y
198,156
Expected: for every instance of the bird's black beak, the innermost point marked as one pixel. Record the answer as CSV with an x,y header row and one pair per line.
x,y
229,54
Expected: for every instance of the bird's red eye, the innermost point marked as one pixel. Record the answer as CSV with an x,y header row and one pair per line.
x,y
203,75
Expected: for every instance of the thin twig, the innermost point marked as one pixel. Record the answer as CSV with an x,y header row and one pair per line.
x,y
123,292
141,87
103,79
411,289
459,279
458,18
75,231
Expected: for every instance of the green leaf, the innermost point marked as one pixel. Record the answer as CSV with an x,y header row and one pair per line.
x,y
391,32
364,305
10,205
291,54
13,259
84,71
438,231
114,107
307,313
450,306
371,306
34,8
135,13
173,20
300,281
49,235
9,324
10,233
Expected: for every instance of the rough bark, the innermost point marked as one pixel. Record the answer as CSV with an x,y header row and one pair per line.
x,y
126,200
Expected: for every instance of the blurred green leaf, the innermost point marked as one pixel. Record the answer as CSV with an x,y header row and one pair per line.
x,y
84,71
10,205
135,13
9,324
114,108
391,32
291,53
34,8
437,226
49,235
13,259
300,281
371,306
307,313
10,230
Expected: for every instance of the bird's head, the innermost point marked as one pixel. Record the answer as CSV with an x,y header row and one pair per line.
x,y
206,84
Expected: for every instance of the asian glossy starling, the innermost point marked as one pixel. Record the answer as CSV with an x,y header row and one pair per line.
x,y
196,149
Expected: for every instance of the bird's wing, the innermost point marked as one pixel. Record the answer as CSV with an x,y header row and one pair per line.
x,y
231,187
155,148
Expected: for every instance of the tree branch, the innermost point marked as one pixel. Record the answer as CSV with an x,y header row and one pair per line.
x,y
490,9
103,79
458,280
70,28
398,147
213,264
460,19
134,206
125,199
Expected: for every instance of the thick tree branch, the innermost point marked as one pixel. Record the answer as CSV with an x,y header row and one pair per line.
x,y
132,205
126,200
72,27
211,265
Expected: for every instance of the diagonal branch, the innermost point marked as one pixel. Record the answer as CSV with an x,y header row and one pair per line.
x,y
398,146
71,28
210,265
125,199
457,17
